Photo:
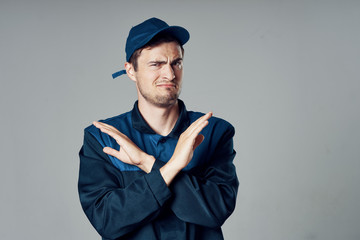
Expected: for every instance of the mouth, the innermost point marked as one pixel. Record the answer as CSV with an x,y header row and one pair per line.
x,y
166,85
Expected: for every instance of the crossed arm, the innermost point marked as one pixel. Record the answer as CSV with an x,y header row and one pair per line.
x,y
211,189
131,154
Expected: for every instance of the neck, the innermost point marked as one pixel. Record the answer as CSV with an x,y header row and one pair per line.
x,y
161,119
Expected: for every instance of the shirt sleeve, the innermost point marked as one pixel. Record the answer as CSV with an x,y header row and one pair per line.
x,y
113,208
206,196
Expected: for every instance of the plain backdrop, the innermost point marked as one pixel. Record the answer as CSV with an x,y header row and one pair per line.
x,y
284,73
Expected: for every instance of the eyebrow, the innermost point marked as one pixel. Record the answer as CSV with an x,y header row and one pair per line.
x,y
163,62
156,62
177,60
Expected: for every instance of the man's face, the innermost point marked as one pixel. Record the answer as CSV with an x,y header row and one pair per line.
x,y
159,74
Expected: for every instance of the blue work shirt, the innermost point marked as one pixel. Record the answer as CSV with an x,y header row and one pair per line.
x,y
123,202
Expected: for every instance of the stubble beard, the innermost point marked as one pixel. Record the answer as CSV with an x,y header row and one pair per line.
x,y
162,101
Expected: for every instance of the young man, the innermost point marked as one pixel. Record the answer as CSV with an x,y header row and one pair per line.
x,y
158,171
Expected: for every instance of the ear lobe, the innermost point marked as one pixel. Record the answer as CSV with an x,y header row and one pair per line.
x,y
130,71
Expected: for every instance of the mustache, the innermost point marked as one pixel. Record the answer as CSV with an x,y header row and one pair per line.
x,y
165,82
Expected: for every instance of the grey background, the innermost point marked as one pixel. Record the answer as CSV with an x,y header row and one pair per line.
x,y
284,73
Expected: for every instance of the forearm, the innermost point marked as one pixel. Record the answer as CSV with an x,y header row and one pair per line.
x,y
204,200
105,197
184,150
106,193
206,195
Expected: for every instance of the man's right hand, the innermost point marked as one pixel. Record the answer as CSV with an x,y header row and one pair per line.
x,y
129,152
188,142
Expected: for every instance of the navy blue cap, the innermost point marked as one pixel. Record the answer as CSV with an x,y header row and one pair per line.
x,y
141,34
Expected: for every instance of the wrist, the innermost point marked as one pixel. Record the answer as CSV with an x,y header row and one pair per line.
x,y
147,163
169,172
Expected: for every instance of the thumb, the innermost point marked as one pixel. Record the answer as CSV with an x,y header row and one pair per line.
x,y
198,140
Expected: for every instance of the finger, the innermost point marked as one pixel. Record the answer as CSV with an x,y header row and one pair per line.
x,y
127,146
201,120
110,130
196,127
121,155
102,125
208,115
199,128
121,139
99,124
116,135
112,152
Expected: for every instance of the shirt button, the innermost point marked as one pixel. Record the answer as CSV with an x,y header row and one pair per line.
x,y
163,140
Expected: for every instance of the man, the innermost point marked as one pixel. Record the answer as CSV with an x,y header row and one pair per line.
x,y
158,171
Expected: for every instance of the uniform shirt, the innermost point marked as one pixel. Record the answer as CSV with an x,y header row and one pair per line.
x,y
123,202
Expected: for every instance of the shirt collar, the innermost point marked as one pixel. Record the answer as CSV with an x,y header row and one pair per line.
x,y
139,123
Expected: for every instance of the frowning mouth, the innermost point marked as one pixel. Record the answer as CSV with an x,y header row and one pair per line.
x,y
166,85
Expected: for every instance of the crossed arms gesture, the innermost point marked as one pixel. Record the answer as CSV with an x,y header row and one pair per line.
x,y
130,153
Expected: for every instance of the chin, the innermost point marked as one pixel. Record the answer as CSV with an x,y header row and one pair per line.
x,y
167,101
166,104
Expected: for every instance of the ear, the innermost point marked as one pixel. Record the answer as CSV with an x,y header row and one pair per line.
x,y
130,71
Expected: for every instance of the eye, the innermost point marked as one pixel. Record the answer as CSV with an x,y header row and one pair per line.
x,y
178,64
154,64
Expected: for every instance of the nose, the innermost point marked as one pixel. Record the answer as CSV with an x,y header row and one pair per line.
x,y
168,72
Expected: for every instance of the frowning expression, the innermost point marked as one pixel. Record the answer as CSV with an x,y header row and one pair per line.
x,y
159,74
